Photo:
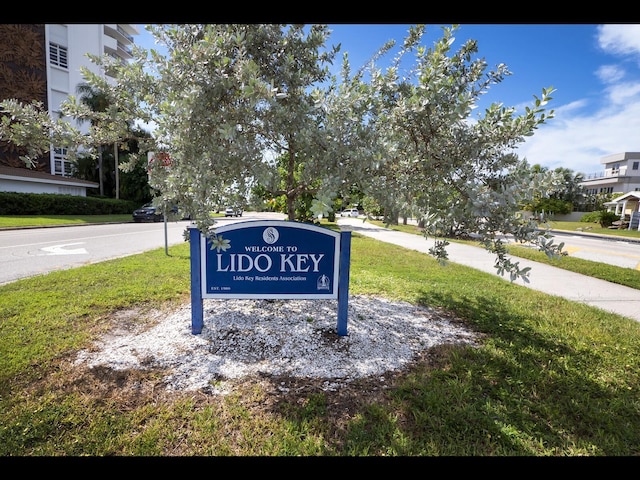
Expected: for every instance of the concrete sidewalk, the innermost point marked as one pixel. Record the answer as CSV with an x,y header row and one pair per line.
x,y
554,281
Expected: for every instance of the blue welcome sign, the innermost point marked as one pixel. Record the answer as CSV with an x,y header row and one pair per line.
x,y
267,259
270,259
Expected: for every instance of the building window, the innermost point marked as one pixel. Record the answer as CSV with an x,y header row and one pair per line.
x,y
58,55
635,165
62,166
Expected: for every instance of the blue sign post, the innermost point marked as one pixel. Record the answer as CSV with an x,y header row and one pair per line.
x,y
270,259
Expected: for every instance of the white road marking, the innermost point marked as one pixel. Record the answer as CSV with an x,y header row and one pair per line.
x,y
60,249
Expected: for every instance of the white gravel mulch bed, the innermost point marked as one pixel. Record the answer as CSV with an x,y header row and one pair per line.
x,y
278,337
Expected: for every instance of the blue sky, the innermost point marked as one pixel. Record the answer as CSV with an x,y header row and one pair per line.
x,y
595,70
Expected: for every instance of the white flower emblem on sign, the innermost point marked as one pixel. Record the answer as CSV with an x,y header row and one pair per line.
x,y
219,243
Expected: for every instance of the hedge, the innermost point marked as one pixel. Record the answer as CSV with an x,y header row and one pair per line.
x,y
12,203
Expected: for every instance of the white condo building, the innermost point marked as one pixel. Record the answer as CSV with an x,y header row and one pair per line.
x,y
621,174
43,62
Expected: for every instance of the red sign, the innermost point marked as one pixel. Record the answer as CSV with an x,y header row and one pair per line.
x,y
159,158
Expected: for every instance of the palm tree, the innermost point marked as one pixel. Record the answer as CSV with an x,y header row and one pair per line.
x,y
574,191
98,102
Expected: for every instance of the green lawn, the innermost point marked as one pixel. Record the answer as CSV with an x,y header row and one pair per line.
x,y
21,221
13,221
610,273
550,378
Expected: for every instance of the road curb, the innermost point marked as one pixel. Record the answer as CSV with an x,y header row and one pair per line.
x,y
602,236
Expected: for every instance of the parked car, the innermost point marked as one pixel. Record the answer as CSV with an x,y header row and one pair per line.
x,y
233,212
149,213
350,212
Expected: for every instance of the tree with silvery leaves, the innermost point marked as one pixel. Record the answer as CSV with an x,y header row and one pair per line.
x,y
227,100
456,173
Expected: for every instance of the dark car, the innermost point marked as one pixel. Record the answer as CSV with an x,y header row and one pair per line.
x,y
147,213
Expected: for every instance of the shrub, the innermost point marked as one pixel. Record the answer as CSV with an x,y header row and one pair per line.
x,y
12,203
550,205
607,218
591,217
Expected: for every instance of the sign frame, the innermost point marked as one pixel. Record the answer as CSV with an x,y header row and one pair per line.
x,y
258,245
269,234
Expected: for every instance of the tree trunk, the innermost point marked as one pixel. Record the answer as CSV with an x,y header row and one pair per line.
x,y
291,210
117,172
100,181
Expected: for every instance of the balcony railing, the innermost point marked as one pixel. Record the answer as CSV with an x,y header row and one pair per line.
x,y
124,34
125,49
606,174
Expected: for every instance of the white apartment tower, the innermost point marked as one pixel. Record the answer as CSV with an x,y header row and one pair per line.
x,y
43,62
67,48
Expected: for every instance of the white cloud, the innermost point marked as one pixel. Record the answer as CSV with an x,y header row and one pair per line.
x,y
623,94
610,73
581,133
571,107
579,142
621,39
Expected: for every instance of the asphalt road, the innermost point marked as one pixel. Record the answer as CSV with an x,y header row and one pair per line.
x,y
36,251
611,250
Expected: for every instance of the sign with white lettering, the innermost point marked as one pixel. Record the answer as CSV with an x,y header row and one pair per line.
x,y
270,259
